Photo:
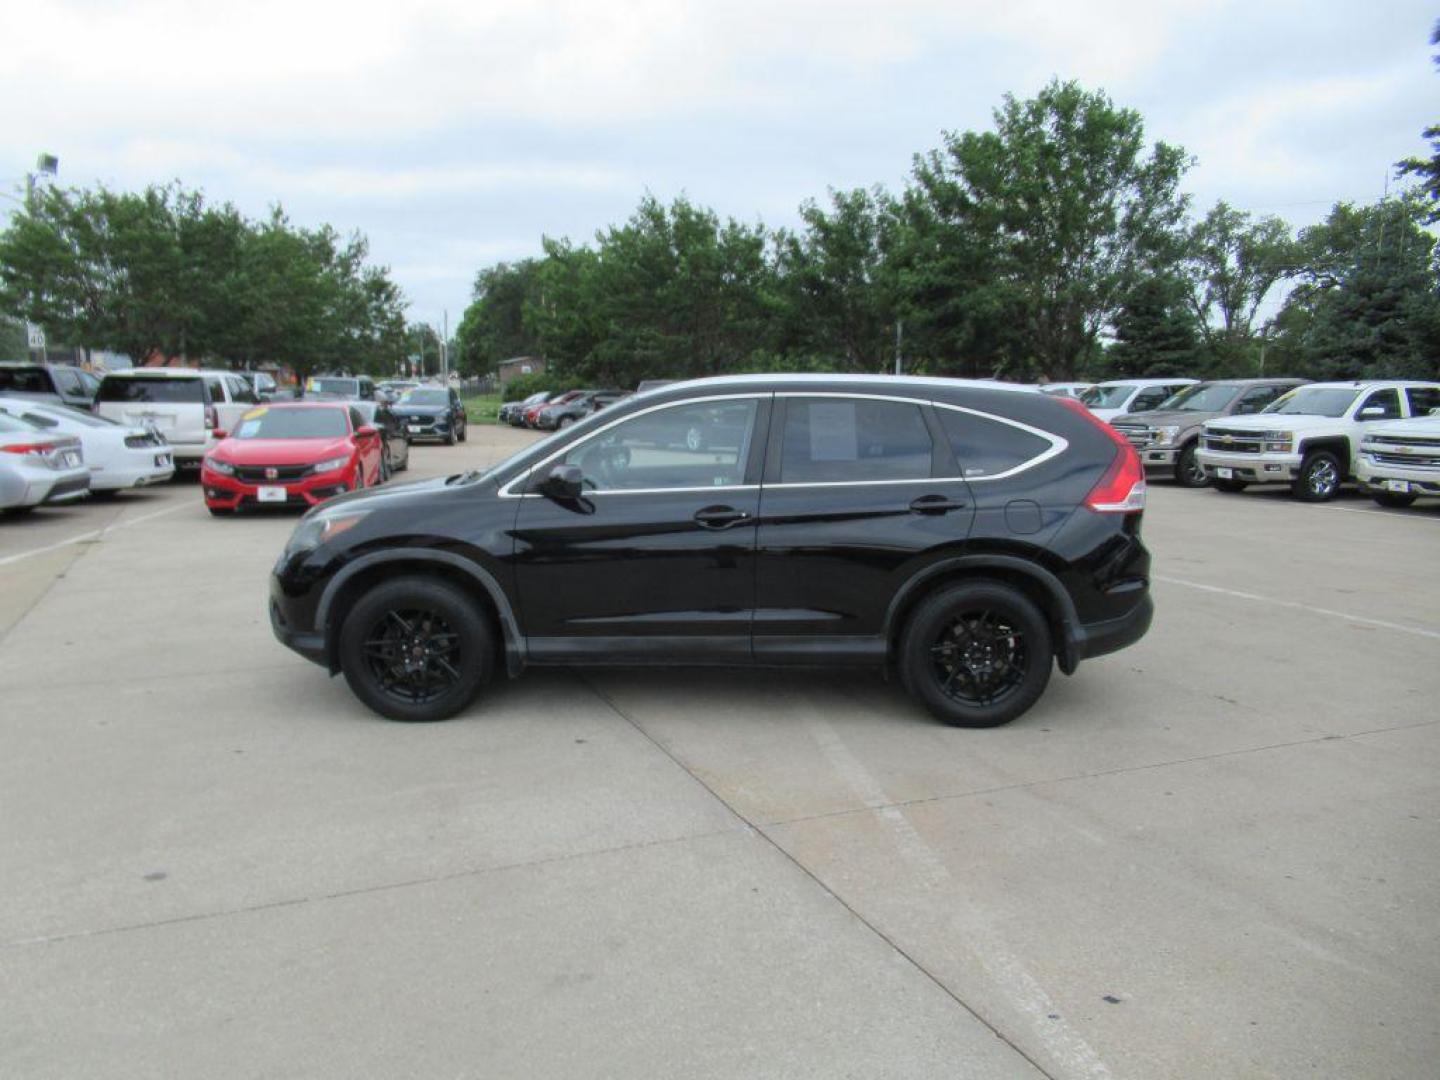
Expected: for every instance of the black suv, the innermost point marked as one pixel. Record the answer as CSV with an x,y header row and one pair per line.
x,y
432,412
966,535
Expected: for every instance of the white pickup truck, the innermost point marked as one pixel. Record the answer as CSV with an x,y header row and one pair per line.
x,y
1400,461
1308,438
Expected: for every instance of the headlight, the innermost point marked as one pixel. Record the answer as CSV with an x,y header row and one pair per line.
x,y
1164,436
312,532
1279,442
333,464
224,468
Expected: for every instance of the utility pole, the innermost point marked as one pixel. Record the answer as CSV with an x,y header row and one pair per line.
x,y
445,346
899,336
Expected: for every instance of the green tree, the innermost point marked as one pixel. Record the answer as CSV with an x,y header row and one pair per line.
x,y
1427,170
1233,263
1155,331
1366,302
1050,219
494,326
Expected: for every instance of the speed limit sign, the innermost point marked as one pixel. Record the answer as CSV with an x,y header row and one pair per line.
x,y
36,335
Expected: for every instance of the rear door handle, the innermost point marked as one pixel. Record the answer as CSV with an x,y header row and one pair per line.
x,y
719,517
935,504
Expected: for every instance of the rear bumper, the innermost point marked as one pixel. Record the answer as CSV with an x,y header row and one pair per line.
x,y
1112,635
66,490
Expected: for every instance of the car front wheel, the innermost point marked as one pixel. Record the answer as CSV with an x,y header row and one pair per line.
x,y
1189,472
977,653
1320,477
416,649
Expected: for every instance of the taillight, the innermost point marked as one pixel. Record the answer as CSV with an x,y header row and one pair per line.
x,y
1121,489
212,418
29,448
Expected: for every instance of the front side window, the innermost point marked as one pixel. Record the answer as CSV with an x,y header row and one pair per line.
x,y
840,440
1423,399
1389,400
697,445
240,391
986,447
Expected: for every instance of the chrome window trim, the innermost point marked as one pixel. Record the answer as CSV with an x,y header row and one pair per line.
x,y
755,396
1058,444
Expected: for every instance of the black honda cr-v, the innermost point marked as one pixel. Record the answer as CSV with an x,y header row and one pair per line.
x,y
968,536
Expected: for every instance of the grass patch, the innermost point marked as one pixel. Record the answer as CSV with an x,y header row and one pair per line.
x,y
483,408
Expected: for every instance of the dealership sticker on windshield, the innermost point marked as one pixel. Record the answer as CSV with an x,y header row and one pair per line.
x,y
255,414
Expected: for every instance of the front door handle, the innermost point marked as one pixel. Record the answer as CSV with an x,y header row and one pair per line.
x,y
719,517
935,504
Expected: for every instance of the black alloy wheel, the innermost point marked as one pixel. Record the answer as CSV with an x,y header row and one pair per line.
x,y
1189,472
977,653
416,649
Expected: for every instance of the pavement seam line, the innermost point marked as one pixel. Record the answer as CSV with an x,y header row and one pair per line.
x,y
1295,605
94,534
759,830
342,894
870,808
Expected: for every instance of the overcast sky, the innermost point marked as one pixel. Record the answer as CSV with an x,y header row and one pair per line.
x,y
455,133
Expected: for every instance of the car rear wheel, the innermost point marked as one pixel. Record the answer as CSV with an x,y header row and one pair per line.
x,y
978,654
1230,487
1189,472
416,649
1320,477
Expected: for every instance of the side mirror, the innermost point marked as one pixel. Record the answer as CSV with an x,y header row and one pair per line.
x,y
367,431
1371,412
219,433
564,482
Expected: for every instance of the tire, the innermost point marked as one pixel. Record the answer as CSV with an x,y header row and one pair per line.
x,y
1320,477
1188,471
450,439
464,431
1230,487
1007,639
1392,500
565,421
408,613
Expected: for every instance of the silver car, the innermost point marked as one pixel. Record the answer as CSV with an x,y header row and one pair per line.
x,y
39,467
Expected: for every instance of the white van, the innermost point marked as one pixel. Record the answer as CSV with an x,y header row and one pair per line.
x,y
186,405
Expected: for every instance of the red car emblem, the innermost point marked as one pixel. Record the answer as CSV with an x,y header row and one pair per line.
x,y
271,474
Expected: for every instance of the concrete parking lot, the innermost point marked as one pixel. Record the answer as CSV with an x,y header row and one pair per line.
x,y
1216,854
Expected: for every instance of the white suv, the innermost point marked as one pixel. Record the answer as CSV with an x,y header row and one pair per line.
x,y
1108,400
186,405
1309,437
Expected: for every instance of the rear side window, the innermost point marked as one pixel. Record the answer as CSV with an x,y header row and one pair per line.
x,y
988,447
838,440
25,380
152,391
1423,399
240,391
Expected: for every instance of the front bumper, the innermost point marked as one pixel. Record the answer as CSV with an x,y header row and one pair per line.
x,y
307,643
1386,477
229,493
427,427
1158,457
1250,468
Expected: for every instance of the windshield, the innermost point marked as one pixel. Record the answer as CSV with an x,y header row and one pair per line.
x,y
536,399
563,398
1315,401
1107,397
425,397
266,423
152,390
350,387
1202,397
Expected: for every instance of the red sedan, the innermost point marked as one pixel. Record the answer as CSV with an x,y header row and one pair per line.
x,y
291,455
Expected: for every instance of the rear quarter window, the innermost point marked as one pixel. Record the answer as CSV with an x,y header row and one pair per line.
x,y
985,447
25,380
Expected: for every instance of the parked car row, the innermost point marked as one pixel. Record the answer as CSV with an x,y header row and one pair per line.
x,y
549,411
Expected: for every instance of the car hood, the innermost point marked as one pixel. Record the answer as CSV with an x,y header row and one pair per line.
x,y
391,495
1159,417
1420,426
282,451
419,410
1276,422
